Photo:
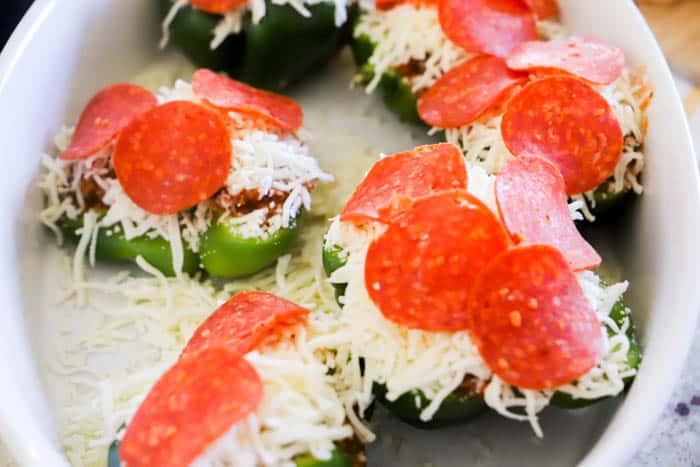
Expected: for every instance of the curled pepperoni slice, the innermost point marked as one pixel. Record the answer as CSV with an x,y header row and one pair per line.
x,y
464,93
587,58
405,176
544,9
106,114
192,405
173,157
245,321
419,272
216,6
531,197
531,321
566,121
228,94
491,27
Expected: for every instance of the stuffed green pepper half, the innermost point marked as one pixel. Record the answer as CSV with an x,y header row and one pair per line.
x,y
268,44
210,175
472,86
463,291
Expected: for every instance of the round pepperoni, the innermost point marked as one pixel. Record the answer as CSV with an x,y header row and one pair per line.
x,y
492,27
217,6
419,272
173,157
588,58
398,178
544,9
192,405
464,93
531,321
105,116
245,321
531,197
569,123
228,94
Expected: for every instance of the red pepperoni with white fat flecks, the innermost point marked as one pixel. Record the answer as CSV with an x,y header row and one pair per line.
x,y
566,121
217,6
191,406
491,27
531,197
112,109
544,9
531,321
585,57
399,178
465,92
420,270
173,157
244,322
228,94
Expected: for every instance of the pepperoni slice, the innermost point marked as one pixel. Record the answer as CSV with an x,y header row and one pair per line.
x,y
228,94
544,9
419,272
464,93
585,57
106,114
566,121
531,197
217,6
404,176
173,157
245,321
531,321
192,405
491,27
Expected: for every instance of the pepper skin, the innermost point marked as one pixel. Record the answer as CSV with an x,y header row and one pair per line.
x,y
224,253
618,313
398,96
112,246
332,260
281,49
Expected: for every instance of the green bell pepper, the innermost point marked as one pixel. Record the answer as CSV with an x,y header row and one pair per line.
x,y
459,407
339,458
225,253
397,92
333,259
279,50
112,246
619,314
608,205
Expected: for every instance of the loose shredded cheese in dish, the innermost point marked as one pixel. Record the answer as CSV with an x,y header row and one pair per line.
x,y
231,22
265,163
437,363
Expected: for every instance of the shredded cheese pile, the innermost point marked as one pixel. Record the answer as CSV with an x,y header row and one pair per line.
x,y
232,21
437,363
263,162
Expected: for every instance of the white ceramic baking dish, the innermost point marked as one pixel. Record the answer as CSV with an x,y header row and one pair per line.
x,y
64,51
